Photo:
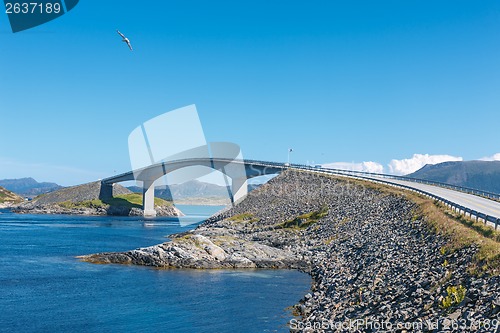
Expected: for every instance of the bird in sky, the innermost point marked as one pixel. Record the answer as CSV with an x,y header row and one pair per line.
x,y
125,39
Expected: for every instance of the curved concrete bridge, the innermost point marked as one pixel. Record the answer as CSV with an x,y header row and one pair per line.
x,y
238,170
482,205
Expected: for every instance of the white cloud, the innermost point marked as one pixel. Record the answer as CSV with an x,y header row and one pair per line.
x,y
495,157
409,165
363,166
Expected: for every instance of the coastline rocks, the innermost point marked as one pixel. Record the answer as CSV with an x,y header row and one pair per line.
x,y
169,210
4,205
373,263
197,251
55,209
97,211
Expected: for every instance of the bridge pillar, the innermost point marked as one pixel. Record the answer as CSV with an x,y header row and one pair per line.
x,y
239,189
148,198
106,191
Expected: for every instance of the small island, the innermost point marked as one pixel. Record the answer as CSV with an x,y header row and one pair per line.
x,y
86,200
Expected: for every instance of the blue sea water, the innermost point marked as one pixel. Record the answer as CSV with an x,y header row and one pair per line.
x,y
44,288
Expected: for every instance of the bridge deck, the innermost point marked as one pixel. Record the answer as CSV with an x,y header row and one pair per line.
x,y
483,207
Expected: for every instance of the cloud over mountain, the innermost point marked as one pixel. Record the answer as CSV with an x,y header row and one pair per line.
x,y
400,167
409,165
495,157
363,166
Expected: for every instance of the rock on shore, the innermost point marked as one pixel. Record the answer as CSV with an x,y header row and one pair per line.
x,y
193,250
168,210
370,259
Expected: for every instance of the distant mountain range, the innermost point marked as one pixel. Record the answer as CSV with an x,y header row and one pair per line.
x,y
28,187
481,175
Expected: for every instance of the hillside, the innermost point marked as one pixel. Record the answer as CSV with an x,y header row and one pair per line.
x,y
8,197
28,187
482,175
79,193
84,200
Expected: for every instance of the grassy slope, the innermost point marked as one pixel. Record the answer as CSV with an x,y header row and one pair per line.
x,y
8,196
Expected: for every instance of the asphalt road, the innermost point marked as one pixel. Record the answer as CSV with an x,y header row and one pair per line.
x,y
482,205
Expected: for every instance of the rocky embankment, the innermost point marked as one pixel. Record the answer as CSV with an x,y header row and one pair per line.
x,y
85,200
375,265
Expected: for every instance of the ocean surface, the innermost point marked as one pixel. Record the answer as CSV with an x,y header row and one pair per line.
x,y
44,288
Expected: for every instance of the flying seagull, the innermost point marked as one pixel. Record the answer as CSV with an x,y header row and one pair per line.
x,y
125,39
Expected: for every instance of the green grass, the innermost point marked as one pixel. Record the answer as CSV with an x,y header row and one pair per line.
x,y
82,204
134,200
39,196
329,240
183,239
244,217
455,296
305,220
481,228
221,240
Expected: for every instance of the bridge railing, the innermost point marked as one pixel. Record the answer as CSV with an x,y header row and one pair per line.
x,y
486,194
373,177
489,195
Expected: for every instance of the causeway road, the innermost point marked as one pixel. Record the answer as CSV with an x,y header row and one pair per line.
x,y
473,202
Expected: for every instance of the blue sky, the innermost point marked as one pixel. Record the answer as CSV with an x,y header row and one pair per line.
x,y
348,81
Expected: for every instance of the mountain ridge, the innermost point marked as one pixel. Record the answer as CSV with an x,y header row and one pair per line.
x,y
28,186
480,175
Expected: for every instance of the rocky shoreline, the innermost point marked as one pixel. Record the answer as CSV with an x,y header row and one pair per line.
x,y
5,205
169,210
375,264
